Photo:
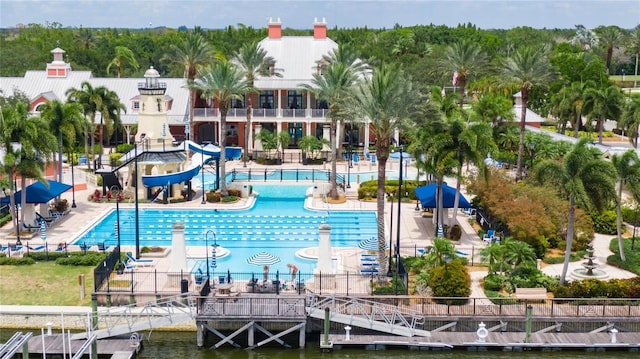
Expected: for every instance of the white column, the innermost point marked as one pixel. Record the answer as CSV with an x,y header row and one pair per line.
x,y
366,134
324,249
279,110
178,252
258,144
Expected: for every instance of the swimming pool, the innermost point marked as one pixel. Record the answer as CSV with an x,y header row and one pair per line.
x,y
278,224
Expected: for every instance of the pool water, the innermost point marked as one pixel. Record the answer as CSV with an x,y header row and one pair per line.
x,y
278,224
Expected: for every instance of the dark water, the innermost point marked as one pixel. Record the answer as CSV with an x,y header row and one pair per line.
x,y
160,345
182,345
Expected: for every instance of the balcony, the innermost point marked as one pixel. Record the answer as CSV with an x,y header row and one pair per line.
x,y
257,113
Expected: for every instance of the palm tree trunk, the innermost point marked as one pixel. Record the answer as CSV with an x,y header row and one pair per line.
x,y
600,130
523,119
456,201
101,142
333,193
86,146
567,253
191,114
247,130
619,222
60,157
223,155
380,202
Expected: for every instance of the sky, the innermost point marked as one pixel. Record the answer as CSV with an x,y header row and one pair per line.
x,y
300,14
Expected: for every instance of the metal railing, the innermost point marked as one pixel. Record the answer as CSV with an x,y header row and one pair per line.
x,y
262,113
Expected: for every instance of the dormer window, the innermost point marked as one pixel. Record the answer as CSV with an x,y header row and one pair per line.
x,y
136,105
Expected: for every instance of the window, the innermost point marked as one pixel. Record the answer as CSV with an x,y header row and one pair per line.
x,y
266,99
136,105
294,99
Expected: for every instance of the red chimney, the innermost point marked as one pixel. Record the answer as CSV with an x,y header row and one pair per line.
x,y
275,29
319,29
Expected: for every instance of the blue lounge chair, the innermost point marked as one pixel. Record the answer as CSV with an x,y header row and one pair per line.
x,y
139,262
103,246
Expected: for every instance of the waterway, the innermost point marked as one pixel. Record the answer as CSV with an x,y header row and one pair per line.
x,y
161,345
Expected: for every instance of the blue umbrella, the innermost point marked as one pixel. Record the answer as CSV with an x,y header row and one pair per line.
x,y
43,231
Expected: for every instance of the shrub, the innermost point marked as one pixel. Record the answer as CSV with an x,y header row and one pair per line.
x,y
124,148
493,282
13,261
604,222
82,259
229,199
456,232
450,280
213,197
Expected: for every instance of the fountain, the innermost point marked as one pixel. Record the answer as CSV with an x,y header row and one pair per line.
x,y
589,270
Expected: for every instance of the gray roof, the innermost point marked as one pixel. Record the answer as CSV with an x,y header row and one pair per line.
x,y
297,56
36,84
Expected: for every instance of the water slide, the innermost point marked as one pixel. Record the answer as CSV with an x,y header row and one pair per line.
x,y
197,162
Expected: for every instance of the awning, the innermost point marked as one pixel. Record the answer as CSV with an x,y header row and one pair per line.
x,y
39,193
428,199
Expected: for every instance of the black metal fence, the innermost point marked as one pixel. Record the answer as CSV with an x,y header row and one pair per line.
x,y
279,174
102,272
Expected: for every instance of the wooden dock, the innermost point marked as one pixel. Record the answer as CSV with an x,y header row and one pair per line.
x,y
120,348
502,341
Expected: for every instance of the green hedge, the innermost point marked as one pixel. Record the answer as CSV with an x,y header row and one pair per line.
x,y
369,189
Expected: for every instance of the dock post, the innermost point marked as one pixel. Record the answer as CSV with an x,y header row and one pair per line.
x,y
94,323
527,338
251,339
302,336
326,345
199,335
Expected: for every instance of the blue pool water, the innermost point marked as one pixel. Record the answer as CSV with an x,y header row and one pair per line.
x,y
277,224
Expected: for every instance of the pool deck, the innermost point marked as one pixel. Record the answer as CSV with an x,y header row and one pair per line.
x,y
416,231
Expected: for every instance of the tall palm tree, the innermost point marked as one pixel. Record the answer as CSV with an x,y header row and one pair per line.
x,y
584,38
91,101
192,54
110,109
64,120
254,62
585,179
603,104
634,46
610,37
27,143
468,60
386,99
569,102
336,84
222,82
124,56
627,166
630,120
529,67
493,254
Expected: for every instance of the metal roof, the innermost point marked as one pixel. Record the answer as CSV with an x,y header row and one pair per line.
x,y
298,58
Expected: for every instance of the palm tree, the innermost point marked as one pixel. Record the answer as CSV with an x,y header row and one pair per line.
x,y
386,100
468,60
610,37
529,67
110,111
193,53
124,56
91,101
634,45
27,143
336,85
630,120
441,251
603,104
493,254
253,62
585,179
64,121
518,252
569,102
222,82
627,166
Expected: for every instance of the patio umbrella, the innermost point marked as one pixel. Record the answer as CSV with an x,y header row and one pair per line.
x,y
369,244
39,193
263,259
43,230
214,263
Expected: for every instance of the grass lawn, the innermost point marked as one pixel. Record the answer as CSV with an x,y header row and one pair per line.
x,y
632,263
44,283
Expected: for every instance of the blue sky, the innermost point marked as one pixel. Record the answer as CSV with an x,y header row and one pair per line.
x,y
300,14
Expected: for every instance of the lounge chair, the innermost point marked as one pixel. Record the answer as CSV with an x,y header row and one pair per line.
x,y
199,277
139,262
47,220
102,246
489,236
368,271
14,248
31,228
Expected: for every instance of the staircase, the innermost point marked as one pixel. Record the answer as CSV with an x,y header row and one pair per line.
x,y
368,314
